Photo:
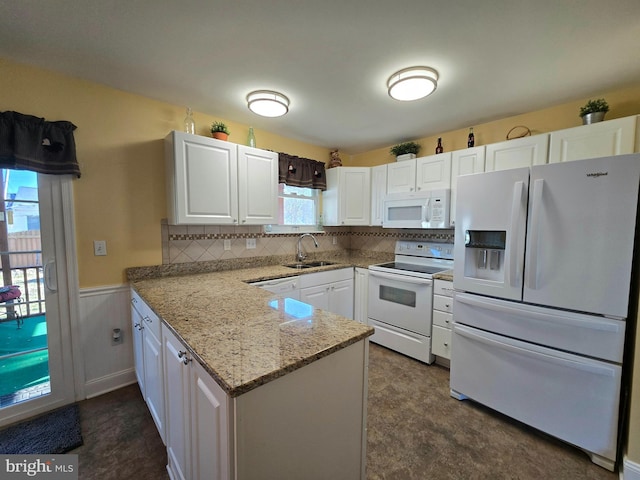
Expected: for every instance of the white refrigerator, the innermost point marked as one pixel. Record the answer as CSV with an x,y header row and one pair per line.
x,y
543,262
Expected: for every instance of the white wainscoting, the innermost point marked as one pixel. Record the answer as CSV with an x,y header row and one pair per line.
x,y
630,470
106,366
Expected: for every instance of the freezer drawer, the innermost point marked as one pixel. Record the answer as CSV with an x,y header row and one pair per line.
x,y
583,334
570,397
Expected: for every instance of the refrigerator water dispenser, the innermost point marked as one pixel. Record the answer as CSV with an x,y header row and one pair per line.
x,y
484,254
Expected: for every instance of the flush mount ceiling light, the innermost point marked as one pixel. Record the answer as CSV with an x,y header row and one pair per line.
x,y
268,103
412,83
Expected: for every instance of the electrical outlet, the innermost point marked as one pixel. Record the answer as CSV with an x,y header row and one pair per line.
x,y
99,248
227,244
251,243
116,336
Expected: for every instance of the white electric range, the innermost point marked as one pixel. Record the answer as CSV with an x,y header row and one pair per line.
x,y
401,297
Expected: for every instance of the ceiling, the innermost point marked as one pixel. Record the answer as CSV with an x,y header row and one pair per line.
x,y
332,58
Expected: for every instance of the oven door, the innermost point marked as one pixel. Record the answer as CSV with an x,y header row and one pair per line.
x,y
401,300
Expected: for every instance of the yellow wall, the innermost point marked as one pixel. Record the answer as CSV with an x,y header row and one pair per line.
x,y
121,195
622,103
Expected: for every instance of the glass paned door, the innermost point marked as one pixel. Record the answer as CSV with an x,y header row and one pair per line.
x,y
24,355
36,363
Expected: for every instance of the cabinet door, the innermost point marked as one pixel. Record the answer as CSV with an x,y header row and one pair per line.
x,y
153,380
441,342
258,186
361,295
516,153
341,298
355,185
614,137
137,325
433,172
177,407
317,296
202,176
401,176
209,427
464,162
378,191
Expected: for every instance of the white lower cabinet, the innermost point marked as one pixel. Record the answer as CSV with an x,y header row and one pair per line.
x,y
147,352
286,428
331,291
197,417
442,320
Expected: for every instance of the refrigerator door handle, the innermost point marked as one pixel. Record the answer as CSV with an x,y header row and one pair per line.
x,y
532,251
516,202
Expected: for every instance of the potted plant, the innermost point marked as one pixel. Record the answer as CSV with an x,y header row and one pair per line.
x,y
594,111
219,130
405,151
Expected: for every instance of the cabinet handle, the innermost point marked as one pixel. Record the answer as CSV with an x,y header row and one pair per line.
x,y
138,326
187,360
181,353
148,319
446,344
244,220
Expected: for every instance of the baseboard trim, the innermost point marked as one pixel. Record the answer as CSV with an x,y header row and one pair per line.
x,y
108,383
630,470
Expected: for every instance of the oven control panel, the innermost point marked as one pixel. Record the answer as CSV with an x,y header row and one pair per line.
x,y
425,249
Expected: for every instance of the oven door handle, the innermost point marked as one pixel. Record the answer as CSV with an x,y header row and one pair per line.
x,y
401,278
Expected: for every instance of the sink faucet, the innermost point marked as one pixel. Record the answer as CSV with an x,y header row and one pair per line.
x,y
300,255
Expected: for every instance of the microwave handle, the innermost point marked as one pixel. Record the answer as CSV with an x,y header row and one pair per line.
x,y
427,210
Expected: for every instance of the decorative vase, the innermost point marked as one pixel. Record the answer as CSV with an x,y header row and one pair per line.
x,y
406,156
220,135
593,117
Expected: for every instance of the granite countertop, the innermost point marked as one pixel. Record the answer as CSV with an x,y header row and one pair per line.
x,y
242,335
446,275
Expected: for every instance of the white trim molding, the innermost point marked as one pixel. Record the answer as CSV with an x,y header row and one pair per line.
x,y
630,470
106,366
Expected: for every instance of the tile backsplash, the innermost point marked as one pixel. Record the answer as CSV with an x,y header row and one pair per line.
x,y
200,243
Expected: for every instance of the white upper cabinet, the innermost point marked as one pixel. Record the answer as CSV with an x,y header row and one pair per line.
x,y
347,199
378,191
257,186
603,139
401,176
420,174
464,162
211,181
433,172
516,153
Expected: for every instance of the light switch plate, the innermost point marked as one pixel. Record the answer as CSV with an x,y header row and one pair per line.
x,y
100,248
227,244
251,243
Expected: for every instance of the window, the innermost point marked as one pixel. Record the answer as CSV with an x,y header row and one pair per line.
x,y
298,209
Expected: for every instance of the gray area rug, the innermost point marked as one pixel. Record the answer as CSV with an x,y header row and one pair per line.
x,y
52,433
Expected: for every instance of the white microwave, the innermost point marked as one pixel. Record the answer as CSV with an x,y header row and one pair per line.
x,y
428,209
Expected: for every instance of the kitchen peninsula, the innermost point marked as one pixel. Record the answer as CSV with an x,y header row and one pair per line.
x,y
275,388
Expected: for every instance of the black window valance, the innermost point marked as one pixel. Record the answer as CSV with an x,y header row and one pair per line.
x,y
301,172
32,143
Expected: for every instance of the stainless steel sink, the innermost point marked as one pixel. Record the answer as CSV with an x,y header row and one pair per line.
x,y
308,264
